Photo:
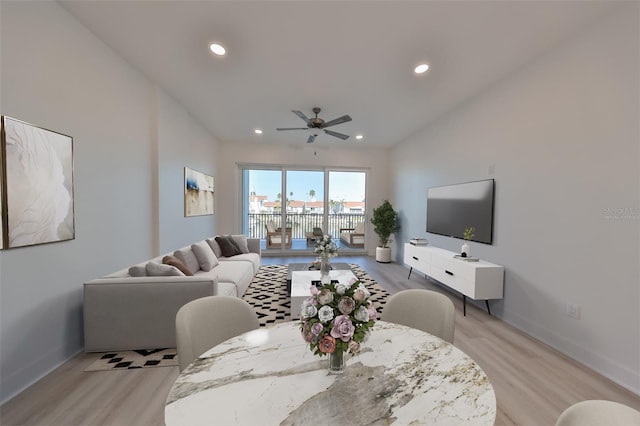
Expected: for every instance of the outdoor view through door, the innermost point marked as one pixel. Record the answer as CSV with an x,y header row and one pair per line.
x,y
288,208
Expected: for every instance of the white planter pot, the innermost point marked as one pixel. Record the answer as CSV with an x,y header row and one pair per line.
x,y
383,254
466,248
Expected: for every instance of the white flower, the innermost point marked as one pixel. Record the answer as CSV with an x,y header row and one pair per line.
x,y
308,310
325,314
341,289
362,314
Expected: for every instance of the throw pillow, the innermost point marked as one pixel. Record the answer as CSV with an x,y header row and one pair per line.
x,y
187,257
227,246
174,261
138,271
159,270
215,247
206,258
241,242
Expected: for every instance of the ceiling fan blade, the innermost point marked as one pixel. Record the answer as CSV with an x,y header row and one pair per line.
x,y
301,115
311,138
292,128
336,134
338,120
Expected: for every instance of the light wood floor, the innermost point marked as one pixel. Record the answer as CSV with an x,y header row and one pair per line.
x,y
533,383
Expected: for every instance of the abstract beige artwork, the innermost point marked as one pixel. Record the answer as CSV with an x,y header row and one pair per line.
x,y
198,193
37,185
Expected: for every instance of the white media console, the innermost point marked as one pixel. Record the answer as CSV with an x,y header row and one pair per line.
x,y
478,280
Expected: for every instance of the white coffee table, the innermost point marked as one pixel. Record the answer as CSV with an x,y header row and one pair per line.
x,y
301,282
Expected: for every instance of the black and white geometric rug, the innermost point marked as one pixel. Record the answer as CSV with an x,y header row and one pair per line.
x,y
128,360
268,294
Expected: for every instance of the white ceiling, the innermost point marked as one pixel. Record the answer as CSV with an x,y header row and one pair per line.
x,y
353,57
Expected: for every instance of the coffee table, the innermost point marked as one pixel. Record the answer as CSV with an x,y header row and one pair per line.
x,y
305,267
301,282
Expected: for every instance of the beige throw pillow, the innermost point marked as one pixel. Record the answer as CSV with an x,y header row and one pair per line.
x,y
174,261
206,258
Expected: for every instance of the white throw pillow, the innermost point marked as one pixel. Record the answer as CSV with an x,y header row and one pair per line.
x,y
138,271
241,241
159,270
204,253
187,257
215,246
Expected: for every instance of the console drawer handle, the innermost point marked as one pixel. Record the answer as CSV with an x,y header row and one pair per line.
x,y
415,258
449,272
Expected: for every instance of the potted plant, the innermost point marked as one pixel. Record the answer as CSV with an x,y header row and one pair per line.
x,y
467,235
385,221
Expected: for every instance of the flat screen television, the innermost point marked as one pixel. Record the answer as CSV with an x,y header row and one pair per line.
x,y
453,208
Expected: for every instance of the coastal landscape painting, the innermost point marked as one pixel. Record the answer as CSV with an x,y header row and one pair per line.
x,y
37,185
198,193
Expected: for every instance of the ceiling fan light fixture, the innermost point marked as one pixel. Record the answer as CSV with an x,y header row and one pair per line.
x,y
217,49
421,68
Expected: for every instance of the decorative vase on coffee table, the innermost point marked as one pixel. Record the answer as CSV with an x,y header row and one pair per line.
x,y
325,267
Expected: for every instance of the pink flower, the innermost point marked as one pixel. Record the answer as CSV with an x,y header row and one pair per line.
x,y
325,296
314,290
342,328
373,314
317,328
307,335
346,305
327,344
354,347
352,281
358,295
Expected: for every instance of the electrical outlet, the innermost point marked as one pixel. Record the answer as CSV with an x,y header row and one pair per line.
x,y
573,310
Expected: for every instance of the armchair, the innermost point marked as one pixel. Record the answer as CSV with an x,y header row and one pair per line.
x,y
274,236
353,237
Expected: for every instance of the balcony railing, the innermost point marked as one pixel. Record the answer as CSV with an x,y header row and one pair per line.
x,y
301,223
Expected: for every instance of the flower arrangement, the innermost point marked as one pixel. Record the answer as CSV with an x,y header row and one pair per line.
x,y
336,318
468,233
326,247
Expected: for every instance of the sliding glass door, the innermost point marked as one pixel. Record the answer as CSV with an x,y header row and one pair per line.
x,y
287,208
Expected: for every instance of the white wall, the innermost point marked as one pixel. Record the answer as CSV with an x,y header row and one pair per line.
x,y
374,160
57,75
561,139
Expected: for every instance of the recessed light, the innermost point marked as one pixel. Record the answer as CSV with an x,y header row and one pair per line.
x,y
421,69
217,49
258,131
359,137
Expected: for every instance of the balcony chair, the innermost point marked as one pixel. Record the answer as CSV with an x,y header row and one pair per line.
x,y
353,237
274,235
311,236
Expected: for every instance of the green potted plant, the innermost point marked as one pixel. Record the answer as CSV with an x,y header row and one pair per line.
x,y
385,222
467,235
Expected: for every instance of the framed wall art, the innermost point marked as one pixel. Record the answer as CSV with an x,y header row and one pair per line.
x,y
198,193
37,185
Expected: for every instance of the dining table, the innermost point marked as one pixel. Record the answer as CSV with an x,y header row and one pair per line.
x,y
269,376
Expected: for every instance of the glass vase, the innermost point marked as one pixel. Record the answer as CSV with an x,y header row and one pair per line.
x,y
336,362
325,268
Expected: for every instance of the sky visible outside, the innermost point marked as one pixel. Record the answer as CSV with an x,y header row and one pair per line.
x,y
343,186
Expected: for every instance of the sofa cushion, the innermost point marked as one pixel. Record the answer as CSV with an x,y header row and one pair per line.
x,y
187,257
252,258
228,246
159,270
204,253
138,271
174,261
214,246
238,273
241,242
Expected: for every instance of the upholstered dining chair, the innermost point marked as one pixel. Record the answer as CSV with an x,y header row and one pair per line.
x,y
597,412
425,310
205,322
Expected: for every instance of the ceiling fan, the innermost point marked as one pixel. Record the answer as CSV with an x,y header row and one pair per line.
x,y
319,124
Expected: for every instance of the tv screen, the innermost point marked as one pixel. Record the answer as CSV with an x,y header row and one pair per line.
x,y
453,208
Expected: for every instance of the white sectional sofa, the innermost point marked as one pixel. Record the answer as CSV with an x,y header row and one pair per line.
x,y
129,309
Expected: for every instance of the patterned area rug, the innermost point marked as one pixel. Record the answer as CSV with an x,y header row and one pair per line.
x,y
268,295
128,360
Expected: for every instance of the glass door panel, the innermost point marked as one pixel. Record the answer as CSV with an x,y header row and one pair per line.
x,y
346,209
304,207
262,207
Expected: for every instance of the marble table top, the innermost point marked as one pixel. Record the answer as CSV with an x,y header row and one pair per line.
x,y
269,377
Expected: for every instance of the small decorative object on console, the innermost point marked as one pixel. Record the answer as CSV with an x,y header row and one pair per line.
x,y
418,241
336,319
468,234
